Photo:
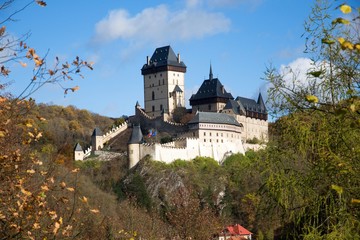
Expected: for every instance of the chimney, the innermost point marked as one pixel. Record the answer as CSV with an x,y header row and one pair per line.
x,y
178,57
147,60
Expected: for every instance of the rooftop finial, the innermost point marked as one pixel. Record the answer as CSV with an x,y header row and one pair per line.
x,y
210,74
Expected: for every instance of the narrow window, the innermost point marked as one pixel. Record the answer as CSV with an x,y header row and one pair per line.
x,y
153,108
161,107
153,95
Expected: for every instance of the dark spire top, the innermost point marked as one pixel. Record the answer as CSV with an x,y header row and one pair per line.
x,y
136,135
261,103
137,104
210,74
97,132
78,147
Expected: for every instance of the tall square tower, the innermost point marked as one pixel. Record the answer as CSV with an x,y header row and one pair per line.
x,y
164,82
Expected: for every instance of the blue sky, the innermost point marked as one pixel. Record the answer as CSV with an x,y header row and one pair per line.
x,y
238,37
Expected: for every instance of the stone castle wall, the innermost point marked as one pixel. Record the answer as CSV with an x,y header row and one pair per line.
x,y
158,123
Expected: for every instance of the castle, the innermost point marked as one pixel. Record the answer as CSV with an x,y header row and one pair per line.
x,y
220,126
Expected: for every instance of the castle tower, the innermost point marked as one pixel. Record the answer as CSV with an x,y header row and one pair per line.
x,y
134,146
78,152
164,82
97,140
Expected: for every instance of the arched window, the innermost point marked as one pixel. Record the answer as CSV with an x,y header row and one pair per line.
x,y
153,95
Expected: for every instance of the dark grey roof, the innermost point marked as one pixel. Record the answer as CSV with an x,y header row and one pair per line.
x,y
211,88
213,117
136,135
97,132
78,147
251,105
163,56
177,89
233,105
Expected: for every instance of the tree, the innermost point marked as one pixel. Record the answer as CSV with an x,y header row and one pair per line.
x,y
35,201
312,163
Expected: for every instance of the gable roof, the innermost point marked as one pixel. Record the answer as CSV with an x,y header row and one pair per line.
x,y
177,89
78,147
214,117
236,230
163,56
233,105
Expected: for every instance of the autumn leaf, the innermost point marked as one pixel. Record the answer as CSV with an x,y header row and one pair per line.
x,y
75,170
345,9
84,199
41,3
354,200
94,210
315,73
62,184
327,41
2,30
2,133
75,88
341,21
31,171
337,188
45,188
23,64
70,189
312,99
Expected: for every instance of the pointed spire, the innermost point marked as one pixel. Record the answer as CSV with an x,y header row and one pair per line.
x,y
261,103
136,135
210,74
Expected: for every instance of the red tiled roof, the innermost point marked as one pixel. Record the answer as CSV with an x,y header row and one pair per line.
x,y
237,230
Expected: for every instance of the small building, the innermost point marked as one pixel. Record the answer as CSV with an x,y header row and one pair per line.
x,y
78,152
233,232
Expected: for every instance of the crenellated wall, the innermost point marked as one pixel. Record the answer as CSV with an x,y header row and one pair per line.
x,y
159,123
98,141
189,148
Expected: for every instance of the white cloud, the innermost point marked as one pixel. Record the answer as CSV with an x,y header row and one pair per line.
x,y
160,25
296,71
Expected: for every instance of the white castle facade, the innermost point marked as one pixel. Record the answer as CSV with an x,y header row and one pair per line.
x,y
220,126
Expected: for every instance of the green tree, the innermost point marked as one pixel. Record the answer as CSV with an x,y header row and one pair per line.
x,y
311,181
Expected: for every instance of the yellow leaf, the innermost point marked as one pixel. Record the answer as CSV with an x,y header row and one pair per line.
x,y
345,9
70,189
62,185
341,40
76,170
27,193
337,188
94,210
56,228
353,200
31,171
36,225
347,45
45,188
39,135
29,125
31,134
341,20
2,133
312,99
23,64
357,46
84,199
